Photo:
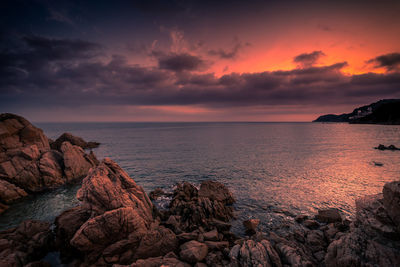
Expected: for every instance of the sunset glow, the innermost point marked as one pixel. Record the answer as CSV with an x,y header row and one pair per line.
x,y
197,61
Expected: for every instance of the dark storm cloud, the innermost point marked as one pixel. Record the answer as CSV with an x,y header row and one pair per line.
x,y
388,61
308,59
181,62
62,72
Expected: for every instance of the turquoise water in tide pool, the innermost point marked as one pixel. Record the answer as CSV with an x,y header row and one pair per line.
x,y
288,167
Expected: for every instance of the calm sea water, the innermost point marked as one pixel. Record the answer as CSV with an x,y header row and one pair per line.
x,y
297,167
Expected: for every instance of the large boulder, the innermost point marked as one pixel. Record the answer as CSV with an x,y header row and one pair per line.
x,y
76,162
216,191
109,187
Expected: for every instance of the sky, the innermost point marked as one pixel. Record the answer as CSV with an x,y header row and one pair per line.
x,y
196,60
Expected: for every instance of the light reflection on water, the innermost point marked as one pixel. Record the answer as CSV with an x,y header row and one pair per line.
x,y
298,167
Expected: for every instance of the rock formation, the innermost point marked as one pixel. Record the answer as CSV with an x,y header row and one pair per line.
x,y
28,164
74,140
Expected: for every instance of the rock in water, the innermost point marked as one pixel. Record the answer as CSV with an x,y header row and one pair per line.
x,y
74,140
27,163
216,191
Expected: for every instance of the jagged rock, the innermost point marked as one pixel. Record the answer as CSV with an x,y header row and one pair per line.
x,y
252,253
28,163
10,192
251,225
329,216
358,249
28,242
76,163
195,211
193,251
391,201
108,187
74,140
216,191
105,230
372,241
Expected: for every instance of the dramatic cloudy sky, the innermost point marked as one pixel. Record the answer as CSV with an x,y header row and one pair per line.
x,y
196,60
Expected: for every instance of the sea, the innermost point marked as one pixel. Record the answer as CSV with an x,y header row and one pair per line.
x,y
271,168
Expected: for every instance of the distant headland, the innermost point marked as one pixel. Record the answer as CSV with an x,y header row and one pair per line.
x,y
386,111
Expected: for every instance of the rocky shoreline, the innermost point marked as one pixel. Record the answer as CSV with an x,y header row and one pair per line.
x,y
118,224
32,163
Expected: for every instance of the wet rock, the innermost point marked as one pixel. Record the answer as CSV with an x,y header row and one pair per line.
x,y
74,140
193,251
28,242
108,187
329,216
216,191
251,225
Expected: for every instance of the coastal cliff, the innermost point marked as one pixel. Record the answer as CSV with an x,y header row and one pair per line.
x,y
385,111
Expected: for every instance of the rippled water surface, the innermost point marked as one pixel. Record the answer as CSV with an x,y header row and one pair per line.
x,y
298,167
